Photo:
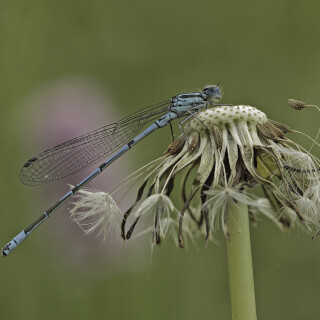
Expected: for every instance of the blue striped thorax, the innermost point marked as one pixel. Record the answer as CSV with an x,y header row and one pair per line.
x,y
195,101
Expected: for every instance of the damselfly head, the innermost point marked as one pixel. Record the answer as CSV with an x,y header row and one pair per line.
x,y
212,92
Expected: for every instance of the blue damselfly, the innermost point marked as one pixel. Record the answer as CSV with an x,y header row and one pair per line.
x,y
112,140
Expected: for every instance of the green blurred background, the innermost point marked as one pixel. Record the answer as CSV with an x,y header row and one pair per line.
x,y
120,56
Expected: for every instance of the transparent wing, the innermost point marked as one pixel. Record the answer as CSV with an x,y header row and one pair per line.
x,y
76,154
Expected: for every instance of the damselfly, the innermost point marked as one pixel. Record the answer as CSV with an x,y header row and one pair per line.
x,y
115,139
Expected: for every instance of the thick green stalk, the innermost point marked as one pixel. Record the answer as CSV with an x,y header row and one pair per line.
x,y
240,264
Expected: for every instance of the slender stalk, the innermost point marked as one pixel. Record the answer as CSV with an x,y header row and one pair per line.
x,y
240,264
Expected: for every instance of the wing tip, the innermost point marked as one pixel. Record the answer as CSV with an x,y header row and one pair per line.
x,y
29,162
26,178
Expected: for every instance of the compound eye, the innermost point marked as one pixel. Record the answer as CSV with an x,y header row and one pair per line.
x,y
208,90
212,92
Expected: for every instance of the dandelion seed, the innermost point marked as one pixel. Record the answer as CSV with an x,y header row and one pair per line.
x,y
296,104
299,105
96,212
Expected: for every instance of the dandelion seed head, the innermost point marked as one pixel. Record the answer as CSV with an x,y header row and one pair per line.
x,y
225,153
224,115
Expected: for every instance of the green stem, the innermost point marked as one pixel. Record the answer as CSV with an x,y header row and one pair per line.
x,y
240,264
